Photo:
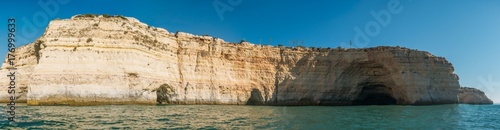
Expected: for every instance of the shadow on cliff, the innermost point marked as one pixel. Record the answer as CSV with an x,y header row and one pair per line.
x,y
317,81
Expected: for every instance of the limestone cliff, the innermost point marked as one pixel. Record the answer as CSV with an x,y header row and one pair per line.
x,y
468,95
91,59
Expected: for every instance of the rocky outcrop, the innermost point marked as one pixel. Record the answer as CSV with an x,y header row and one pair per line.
x,y
468,95
89,59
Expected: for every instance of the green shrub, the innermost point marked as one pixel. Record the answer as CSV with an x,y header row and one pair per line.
x,y
86,15
132,74
122,17
90,15
106,16
89,40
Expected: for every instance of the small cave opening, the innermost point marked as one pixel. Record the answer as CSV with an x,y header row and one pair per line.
x,y
164,94
375,94
255,98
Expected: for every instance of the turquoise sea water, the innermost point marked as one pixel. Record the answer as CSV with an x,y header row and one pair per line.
x,y
255,117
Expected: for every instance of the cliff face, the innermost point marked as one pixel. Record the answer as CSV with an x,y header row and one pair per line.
x,y
90,60
472,96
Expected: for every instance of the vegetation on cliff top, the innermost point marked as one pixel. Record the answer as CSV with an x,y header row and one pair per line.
x,y
104,15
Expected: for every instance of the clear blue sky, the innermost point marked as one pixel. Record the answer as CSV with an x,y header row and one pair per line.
x,y
466,32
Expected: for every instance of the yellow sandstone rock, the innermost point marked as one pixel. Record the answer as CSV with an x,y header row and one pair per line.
x,y
91,60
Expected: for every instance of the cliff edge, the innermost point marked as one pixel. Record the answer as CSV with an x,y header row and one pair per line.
x,y
100,59
468,95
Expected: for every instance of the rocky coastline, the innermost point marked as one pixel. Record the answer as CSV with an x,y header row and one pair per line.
x,y
102,59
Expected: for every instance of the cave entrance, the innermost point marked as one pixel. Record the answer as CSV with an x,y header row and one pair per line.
x,y
255,98
375,94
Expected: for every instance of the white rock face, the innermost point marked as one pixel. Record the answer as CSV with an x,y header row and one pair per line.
x,y
468,95
113,60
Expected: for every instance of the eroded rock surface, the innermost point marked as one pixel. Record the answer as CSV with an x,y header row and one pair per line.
x,y
164,94
468,95
88,60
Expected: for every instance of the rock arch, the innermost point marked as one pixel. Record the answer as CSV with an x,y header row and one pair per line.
x,y
368,83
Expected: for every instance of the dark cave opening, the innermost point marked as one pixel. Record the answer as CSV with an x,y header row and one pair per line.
x,y
375,94
255,98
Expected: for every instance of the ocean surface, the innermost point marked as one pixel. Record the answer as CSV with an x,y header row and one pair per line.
x,y
254,117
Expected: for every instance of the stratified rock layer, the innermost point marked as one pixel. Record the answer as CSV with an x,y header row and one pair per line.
x,y
468,95
88,60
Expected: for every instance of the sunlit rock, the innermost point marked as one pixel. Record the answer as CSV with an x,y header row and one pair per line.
x,y
92,59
